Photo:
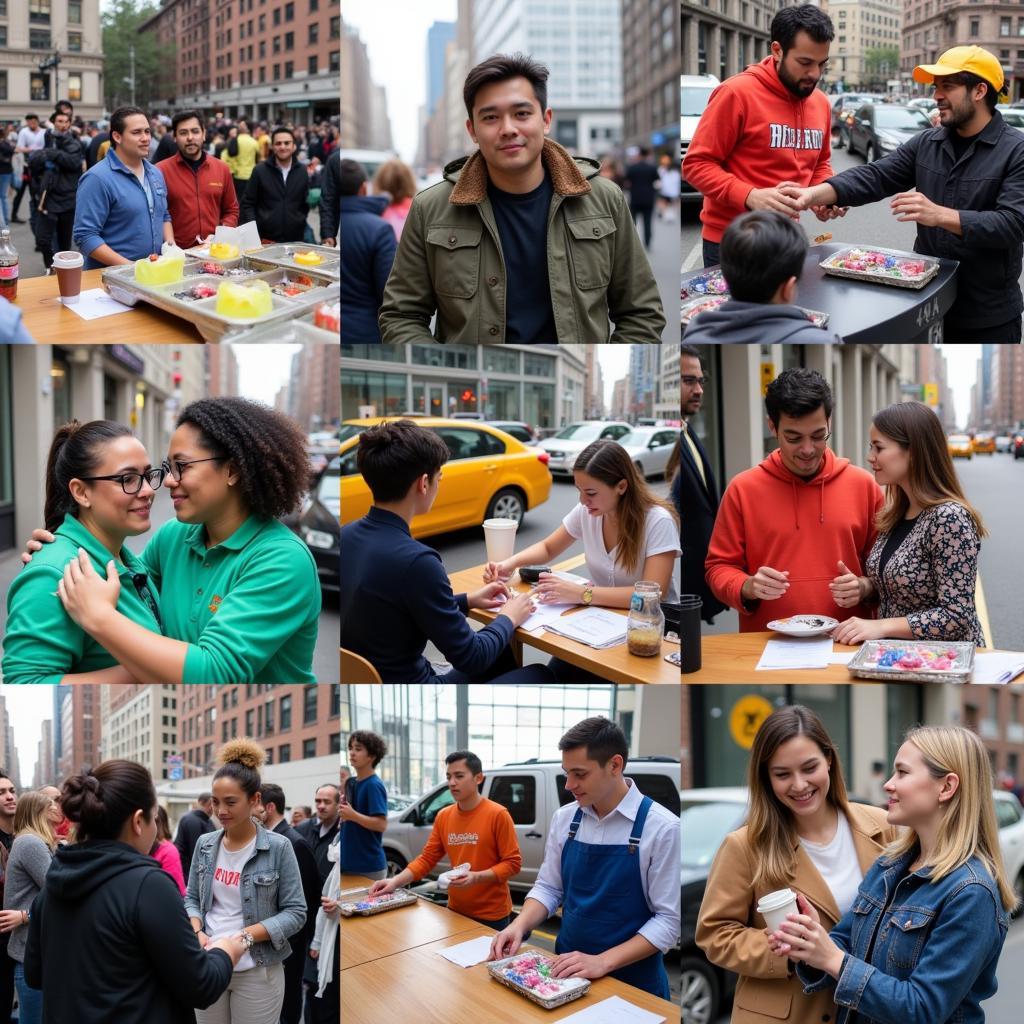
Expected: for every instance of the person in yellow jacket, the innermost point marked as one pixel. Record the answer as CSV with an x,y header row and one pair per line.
x,y
241,156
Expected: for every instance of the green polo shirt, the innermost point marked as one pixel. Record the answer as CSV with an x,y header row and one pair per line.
x,y
42,643
248,607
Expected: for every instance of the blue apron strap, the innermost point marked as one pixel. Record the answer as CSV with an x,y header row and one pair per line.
x,y
638,825
574,825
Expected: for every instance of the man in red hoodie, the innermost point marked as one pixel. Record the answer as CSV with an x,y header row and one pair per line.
x,y
764,128
790,527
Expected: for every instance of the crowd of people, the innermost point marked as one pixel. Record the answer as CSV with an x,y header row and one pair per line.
x,y
105,917
119,189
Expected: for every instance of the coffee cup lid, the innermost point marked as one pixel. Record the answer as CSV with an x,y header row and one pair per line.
x,y
774,900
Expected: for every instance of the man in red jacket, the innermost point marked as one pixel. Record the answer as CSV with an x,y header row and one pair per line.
x,y
766,127
200,192
790,527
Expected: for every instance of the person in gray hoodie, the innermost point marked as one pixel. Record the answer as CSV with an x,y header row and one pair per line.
x,y
762,257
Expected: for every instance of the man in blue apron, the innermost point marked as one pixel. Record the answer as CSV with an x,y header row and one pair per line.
x,y
611,862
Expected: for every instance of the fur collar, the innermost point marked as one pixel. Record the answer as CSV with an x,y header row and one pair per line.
x,y
566,178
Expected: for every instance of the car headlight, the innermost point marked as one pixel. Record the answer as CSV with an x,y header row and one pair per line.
x,y
318,539
557,455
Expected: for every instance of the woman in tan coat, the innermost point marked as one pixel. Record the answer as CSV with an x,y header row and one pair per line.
x,y
801,833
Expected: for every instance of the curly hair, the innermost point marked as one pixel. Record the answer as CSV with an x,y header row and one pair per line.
x,y
371,742
266,447
240,760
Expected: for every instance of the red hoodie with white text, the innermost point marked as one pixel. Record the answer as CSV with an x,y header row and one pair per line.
x,y
771,517
754,134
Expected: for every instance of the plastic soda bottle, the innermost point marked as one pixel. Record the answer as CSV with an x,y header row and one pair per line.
x,y
8,266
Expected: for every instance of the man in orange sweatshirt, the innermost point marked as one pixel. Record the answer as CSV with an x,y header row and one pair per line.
x,y
790,527
766,127
476,831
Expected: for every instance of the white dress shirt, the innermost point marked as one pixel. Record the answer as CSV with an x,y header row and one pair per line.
x,y
659,859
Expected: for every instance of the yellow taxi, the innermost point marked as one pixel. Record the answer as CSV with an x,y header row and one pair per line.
x,y
960,446
984,443
489,474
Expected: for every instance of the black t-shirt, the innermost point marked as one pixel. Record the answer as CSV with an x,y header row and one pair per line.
x,y
523,229
897,536
960,142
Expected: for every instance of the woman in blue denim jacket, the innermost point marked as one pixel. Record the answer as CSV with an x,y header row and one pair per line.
x,y
245,881
921,943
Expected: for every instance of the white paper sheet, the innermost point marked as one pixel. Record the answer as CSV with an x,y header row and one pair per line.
x,y
94,303
468,954
842,658
544,614
613,1010
803,652
997,667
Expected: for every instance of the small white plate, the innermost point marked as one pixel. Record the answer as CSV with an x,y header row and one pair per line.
x,y
804,625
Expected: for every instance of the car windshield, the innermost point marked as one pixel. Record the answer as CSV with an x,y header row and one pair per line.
x,y
693,99
704,827
900,117
349,430
637,437
581,432
329,488
959,439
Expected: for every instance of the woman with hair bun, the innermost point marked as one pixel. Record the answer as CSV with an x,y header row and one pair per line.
x,y
240,596
100,488
108,938
245,881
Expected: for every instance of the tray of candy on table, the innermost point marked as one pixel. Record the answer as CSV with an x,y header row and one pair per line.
x,y
914,661
881,266
529,974
359,902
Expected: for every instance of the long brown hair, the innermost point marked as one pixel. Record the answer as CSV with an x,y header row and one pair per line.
x,y
608,462
771,829
931,477
32,816
395,178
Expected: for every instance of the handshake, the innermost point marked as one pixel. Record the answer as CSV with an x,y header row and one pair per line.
x,y
791,199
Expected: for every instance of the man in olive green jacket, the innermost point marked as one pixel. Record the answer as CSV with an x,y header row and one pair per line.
x,y
471,246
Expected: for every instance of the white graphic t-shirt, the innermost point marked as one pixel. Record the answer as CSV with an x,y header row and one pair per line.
x,y
224,917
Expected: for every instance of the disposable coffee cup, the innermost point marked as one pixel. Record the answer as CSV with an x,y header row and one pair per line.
x,y
68,268
446,876
500,538
776,905
689,632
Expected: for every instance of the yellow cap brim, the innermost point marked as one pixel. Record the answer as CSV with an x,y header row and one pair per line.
x,y
926,73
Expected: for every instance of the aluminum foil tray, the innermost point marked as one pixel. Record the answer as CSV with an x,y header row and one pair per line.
x,y
283,256
526,973
359,903
941,662
881,275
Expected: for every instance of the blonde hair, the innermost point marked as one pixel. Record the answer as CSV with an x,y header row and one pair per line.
x,y
771,829
968,826
32,817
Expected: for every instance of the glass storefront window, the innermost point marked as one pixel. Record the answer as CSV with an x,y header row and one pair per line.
x,y
502,400
385,392
500,360
459,357
463,397
378,353
535,365
539,405
60,378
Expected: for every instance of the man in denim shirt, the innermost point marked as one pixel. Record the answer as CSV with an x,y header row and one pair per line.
x,y
121,206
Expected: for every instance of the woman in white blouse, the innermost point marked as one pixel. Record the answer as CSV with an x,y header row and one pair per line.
x,y
628,535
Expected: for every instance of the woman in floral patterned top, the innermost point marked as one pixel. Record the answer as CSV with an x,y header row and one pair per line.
x,y
922,569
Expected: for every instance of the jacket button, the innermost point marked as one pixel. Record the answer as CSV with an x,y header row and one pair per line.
x,y
493,330
492,281
826,1017
597,231
452,239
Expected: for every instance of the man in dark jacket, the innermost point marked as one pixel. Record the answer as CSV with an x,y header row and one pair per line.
x,y
274,821
330,189
697,478
275,196
366,256
963,184
319,831
192,825
641,177
55,171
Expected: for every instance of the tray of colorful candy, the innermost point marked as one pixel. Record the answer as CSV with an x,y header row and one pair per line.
x,y
698,304
298,256
882,266
706,282
921,661
529,974
359,902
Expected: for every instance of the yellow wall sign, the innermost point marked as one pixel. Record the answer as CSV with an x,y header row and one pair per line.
x,y
746,717
931,394
767,376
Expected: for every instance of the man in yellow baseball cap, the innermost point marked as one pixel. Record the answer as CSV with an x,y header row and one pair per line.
x,y
963,184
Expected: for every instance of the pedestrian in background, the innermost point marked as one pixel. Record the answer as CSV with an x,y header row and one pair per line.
x,y
276,193
396,179
6,175
193,825
669,188
165,853
241,154
641,180
330,195
8,809
30,138
319,831
61,161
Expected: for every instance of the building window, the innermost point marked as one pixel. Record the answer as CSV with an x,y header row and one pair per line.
x,y
277,72
277,44
39,12
289,40
248,722
314,5
270,756
309,704
289,12
336,27
286,713
335,743
277,15
974,25
335,60
269,719
312,69
39,87
309,748
289,68
314,33
335,711
284,753
1004,26
3,36
39,39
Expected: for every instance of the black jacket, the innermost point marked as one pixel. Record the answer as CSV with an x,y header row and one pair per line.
x,y
986,185
330,192
58,166
278,207
308,872
311,833
109,940
701,504
194,824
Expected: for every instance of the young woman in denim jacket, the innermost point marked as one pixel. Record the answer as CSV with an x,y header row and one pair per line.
x,y
922,941
245,880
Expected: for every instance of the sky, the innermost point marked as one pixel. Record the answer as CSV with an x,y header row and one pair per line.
x,y
27,706
263,369
614,360
398,59
961,373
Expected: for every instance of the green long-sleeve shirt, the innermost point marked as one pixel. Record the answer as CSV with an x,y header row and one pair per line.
x,y
42,643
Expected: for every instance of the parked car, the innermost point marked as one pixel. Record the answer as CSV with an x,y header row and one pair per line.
x,y
1014,118
1010,819
531,791
925,103
489,474
649,448
467,416
519,430
1018,447
571,440
878,129
316,522
960,446
843,107
399,801
984,443
1004,443
694,93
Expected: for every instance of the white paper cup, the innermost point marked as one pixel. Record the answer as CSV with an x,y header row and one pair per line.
x,y
500,538
776,905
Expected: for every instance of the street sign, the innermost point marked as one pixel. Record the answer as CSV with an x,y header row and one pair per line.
x,y
767,376
746,717
175,767
931,394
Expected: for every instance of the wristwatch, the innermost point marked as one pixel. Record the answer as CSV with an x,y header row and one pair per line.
x,y
588,593
248,940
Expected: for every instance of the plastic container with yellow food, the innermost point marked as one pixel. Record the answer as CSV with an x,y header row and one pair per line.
x,y
308,259
223,251
162,270
244,301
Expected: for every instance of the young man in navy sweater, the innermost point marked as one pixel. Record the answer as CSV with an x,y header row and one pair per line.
x,y
395,594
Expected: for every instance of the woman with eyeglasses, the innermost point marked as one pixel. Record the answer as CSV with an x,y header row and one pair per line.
x,y
100,488
240,596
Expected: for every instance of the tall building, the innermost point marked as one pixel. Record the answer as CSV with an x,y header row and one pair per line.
x,y
724,38
644,372
861,27
45,773
8,749
31,33
439,35
651,66
593,387
620,409
80,726
667,405
140,724
458,61
579,43
1007,404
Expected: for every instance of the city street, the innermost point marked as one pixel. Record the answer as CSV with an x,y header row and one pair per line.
x,y
664,257
995,484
